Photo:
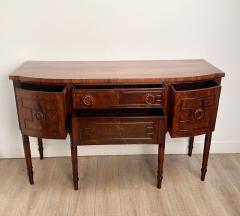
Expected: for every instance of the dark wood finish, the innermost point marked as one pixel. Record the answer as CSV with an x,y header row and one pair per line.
x,y
118,102
115,98
28,158
194,111
40,148
190,146
117,130
122,130
116,72
74,163
161,149
207,143
41,114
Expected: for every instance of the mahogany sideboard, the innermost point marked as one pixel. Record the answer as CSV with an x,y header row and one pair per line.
x,y
117,102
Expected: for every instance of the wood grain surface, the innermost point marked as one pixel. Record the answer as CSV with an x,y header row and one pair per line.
x,y
116,72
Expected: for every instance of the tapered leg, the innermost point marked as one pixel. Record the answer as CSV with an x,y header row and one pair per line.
x,y
74,164
40,148
161,148
28,158
190,146
207,144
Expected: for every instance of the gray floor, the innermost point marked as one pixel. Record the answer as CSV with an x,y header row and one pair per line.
x,y
122,185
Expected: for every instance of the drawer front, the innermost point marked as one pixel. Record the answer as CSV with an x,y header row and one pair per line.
x,y
194,111
41,114
110,98
118,130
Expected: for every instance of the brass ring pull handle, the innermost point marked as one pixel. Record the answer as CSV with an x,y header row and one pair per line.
x,y
87,100
199,113
39,116
150,99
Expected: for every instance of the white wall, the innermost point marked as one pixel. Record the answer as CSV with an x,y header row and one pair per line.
x,y
117,30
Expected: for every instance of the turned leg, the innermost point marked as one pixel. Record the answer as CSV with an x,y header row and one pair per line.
x,y
74,164
27,151
190,146
161,148
40,148
207,144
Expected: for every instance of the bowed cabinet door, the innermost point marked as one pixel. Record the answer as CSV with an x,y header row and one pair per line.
x,y
193,109
41,114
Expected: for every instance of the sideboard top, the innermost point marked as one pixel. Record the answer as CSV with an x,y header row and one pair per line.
x,y
115,72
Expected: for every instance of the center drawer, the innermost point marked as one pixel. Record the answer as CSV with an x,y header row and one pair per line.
x,y
119,126
118,97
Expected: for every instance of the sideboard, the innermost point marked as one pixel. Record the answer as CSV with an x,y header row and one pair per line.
x,y
117,102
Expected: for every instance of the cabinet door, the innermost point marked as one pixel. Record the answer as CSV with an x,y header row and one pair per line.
x,y
41,113
193,109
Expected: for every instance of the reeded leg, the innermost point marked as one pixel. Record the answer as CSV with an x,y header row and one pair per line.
x,y
40,148
28,158
161,148
190,146
74,164
207,144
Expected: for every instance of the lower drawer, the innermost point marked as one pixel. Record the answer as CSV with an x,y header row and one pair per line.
x,y
118,127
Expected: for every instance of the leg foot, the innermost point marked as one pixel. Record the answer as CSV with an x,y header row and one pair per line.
x,y
28,158
207,144
74,164
203,173
159,182
40,148
190,146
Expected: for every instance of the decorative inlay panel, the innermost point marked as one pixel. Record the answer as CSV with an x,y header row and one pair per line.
x,y
194,112
41,114
105,98
113,130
